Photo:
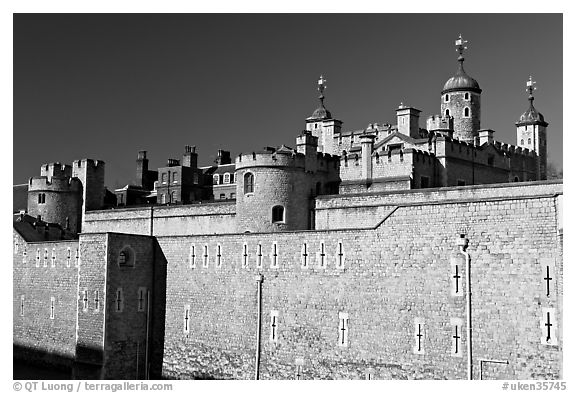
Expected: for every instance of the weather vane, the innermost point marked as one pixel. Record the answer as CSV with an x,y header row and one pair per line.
x,y
461,46
530,87
321,84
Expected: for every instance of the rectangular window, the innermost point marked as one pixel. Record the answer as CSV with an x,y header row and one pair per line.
x,y
52,307
53,257
340,256
222,196
37,257
192,256
22,305
245,255
304,256
548,278
549,327
226,178
321,255
45,257
274,255
456,336
205,255
218,255
418,336
68,257
16,244
119,301
259,254
164,177
342,329
186,319
461,182
175,178
274,326
85,301
25,253
77,257
96,301
232,195
142,297
456,278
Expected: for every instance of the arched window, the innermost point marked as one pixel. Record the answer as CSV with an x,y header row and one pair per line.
x,y
466,112
248,183
516,178
446,98
447,112
163,198
216,179
529,141
466,96
521,141
226,178
278,214
126,257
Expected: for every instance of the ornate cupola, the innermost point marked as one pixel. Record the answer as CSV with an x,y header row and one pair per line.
x,y
531,131
322,125
460,99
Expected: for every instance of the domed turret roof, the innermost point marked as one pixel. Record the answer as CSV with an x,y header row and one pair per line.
x,y
320,113
461,81
531,116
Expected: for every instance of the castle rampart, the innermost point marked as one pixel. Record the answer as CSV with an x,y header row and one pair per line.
x,y
382,279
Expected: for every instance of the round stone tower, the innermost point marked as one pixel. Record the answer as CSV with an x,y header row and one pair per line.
x,y
273,191
56,199
461,100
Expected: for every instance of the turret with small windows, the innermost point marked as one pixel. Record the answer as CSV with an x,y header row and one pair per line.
x,y
63,193
531,131
275,187
460,100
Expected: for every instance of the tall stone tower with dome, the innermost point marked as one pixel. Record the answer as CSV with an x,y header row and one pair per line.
x,y
322,125
531,131
461,99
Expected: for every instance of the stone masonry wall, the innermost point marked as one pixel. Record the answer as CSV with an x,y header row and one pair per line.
x,y
357,211
126,322
394,278
168,220
40,334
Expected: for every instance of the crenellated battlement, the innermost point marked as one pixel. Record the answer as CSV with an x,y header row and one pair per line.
x,y
54,184
56,169
271,157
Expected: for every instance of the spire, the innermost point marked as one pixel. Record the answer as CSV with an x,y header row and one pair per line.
x,y
461,47
531,116
321,87
530,87
321,112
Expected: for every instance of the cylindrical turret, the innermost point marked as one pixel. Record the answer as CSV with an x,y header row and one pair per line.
x,y
273,191
57,201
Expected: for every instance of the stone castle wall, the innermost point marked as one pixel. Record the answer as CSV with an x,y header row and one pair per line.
x,y
45,279
394,277
218,217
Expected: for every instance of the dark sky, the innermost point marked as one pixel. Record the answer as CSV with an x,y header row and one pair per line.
x,y
104,86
